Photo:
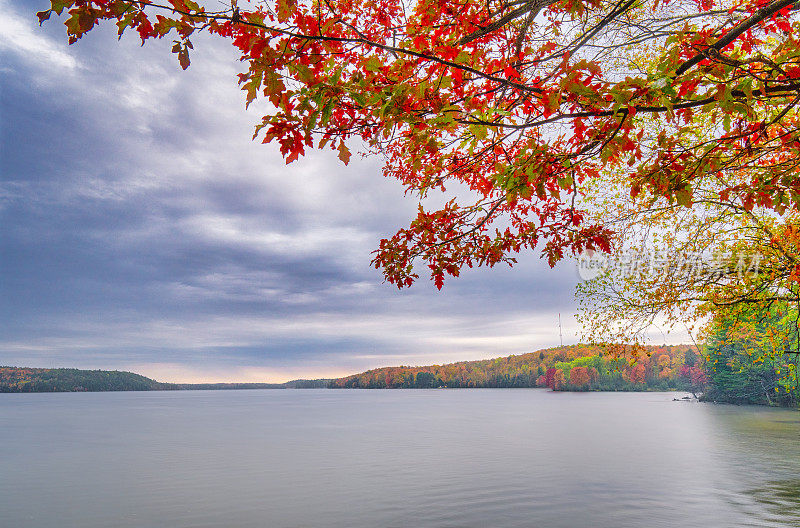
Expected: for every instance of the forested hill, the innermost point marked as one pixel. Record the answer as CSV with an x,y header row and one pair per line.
x,y
24,379
294,384
13,379
577,367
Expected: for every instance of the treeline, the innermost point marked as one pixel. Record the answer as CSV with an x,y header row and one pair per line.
x,y
753,361
731,368
321,383
25,379
14,379
294,384
577,367
223,386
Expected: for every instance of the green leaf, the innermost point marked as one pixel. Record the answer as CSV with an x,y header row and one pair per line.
x,y
373,64
251,88
59,5
684,197
327,110
479,131
285,9
255,18
462,57
303,73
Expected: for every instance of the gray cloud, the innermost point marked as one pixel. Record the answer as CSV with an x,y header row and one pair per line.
x,y
142,228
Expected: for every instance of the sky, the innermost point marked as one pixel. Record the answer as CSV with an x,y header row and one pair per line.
x,y
142,229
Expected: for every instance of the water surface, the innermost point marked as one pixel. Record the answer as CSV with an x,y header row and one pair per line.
x,y
394,458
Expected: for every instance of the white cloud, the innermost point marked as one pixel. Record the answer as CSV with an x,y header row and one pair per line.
x,y
250,233
20,35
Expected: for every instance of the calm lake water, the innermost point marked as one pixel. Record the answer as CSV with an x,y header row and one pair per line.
x,y
396,458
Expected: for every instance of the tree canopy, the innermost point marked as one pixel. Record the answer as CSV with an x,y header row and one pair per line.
x,y
512,108
576,367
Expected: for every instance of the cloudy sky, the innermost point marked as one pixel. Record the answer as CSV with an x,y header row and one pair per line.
x,y
143,230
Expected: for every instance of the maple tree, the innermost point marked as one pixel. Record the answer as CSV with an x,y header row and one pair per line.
x,y
550,378
639,372
511,107
579,377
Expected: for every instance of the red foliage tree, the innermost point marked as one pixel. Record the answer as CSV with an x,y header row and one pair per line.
x,y
549,378
579,377
515,105
638,373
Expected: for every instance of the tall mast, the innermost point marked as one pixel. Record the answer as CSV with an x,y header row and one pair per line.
x,y
560,335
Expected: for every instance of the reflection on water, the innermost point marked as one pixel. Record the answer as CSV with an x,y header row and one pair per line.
x,y
779,500
759,454
428,458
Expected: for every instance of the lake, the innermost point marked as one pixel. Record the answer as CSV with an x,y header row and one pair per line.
x,y
394,458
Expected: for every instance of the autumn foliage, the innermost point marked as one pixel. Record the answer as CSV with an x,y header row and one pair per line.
x,y
578,367
511,109
579,377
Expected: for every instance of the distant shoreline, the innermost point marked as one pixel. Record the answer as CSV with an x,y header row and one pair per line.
x,y
37,380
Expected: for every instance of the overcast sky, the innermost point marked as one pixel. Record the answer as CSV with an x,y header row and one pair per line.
x,y
142,229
